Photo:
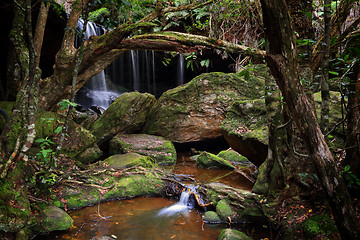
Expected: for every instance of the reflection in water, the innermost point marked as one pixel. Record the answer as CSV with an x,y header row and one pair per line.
x,y
137,219
153,218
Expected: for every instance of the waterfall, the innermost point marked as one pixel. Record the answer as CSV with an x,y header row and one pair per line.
x,y
95,92
180,207
153,69
135,69
180,70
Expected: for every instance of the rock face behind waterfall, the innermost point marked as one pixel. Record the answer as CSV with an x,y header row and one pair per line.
x,y
126,115
194,112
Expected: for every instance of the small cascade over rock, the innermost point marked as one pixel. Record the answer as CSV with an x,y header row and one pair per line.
x,y
95,92
182,206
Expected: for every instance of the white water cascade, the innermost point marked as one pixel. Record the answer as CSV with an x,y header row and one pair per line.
x,y
181,70
96,90
135,68
180,207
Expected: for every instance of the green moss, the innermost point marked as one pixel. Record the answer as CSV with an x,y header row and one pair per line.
x,y
247,119
233,234
99,13
15,208
232,156
130,160
53,218
208,160
136,185
320,225
211,217
7,107
224,210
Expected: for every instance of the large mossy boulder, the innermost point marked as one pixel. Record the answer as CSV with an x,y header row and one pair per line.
x,y
194,111
127,160
161,150
233,234
52,219
245,129
233,157
79,143
126,115
113,185
209,160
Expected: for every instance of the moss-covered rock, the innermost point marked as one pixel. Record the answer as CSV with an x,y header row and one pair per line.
x,y
126,115
211,217
209,160
116,185
233,156
119,161
245,129
194,111
318,227
224,210
77,139
233,234
52,219
90,154
135,186
161,150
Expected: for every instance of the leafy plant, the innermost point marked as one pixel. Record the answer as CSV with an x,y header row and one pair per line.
x,y
350,177
46,152
65,103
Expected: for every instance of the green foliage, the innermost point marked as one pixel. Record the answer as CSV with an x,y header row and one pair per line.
x,y
190,60
46,153
59,9
351,179
66,103
99,15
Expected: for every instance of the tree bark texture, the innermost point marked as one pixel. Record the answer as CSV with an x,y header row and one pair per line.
x,y
40,29
325,91
18,57
19,134
282,60
353,130
337,23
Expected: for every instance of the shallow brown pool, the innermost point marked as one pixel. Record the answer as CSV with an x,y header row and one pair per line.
x,y
139,218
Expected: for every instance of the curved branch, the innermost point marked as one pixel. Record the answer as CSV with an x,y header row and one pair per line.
x,y
97,59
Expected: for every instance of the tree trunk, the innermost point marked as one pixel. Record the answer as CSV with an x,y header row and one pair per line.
x,y
353,130
325,94
19,133
282,60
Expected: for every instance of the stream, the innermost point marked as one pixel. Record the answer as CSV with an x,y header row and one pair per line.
x,y
156,218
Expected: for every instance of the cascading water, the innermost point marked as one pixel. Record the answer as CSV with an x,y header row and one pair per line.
x,y
181,70
180,207
153,70
95,92
135,69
